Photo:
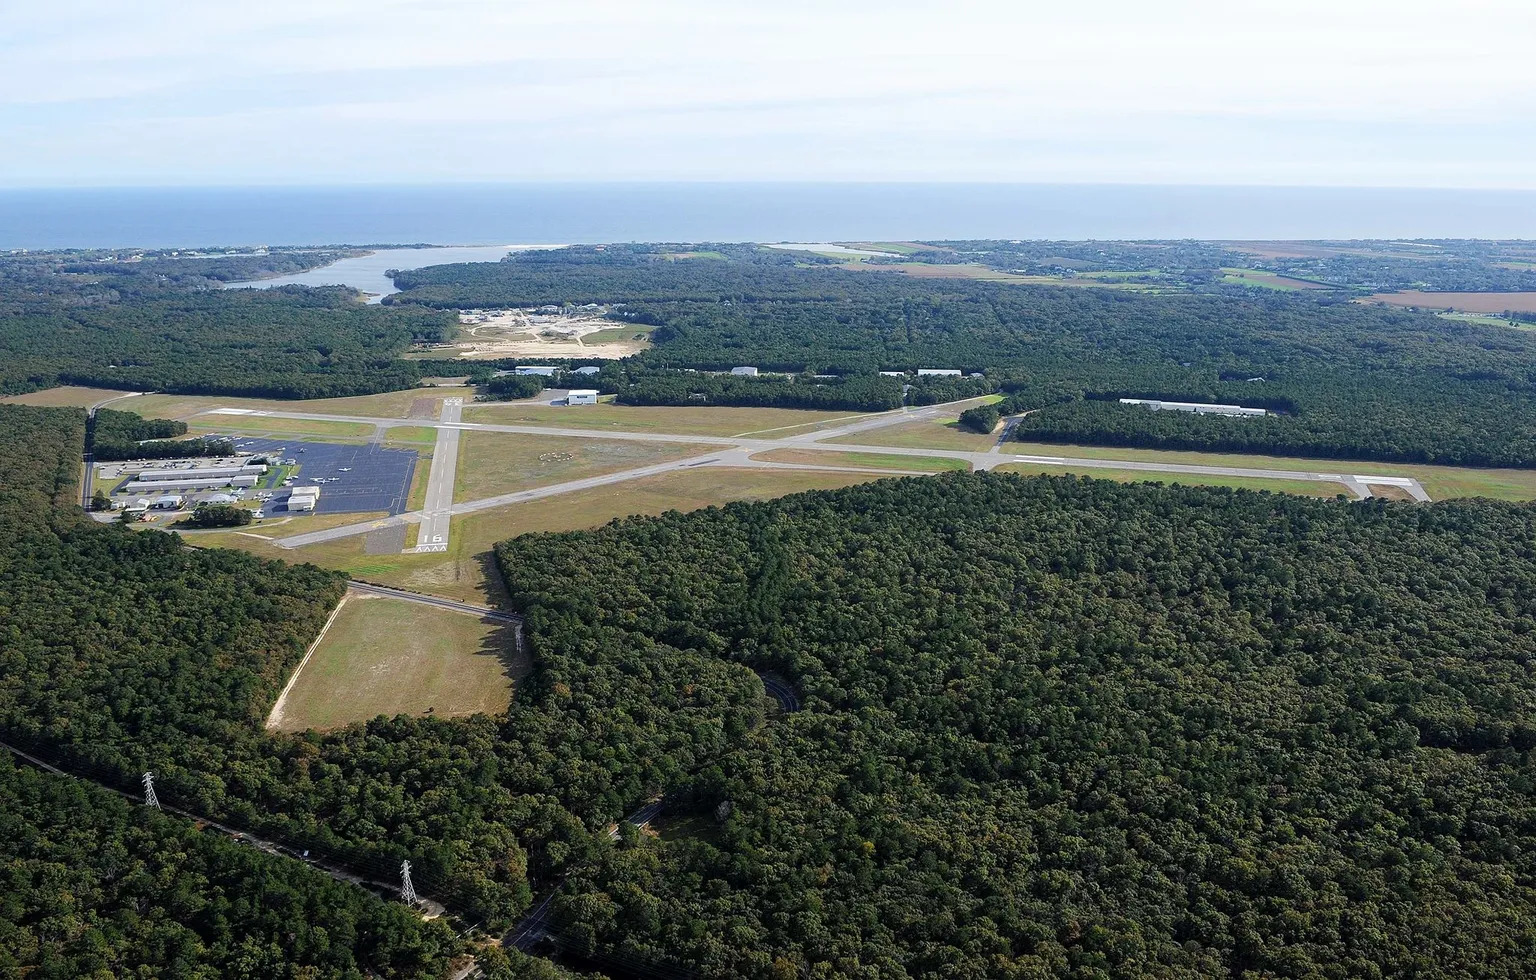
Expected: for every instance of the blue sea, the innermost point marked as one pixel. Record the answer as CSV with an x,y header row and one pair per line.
x,y
550,213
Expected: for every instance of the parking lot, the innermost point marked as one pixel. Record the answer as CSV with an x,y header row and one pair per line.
x,y
352,479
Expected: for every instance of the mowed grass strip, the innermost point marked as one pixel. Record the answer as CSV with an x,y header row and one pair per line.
x,y
703,420
922,434
1304,488
886,461
385,656
68,396
387,405
316,428
494,463
1440,482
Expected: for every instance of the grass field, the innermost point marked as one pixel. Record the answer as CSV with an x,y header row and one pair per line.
x,y
410,437
1440,482
1466,302
618,335
492,463
465,572
921,435
316,428
68,396
383,656
1266,280
703,420
888,461
388,405
1486,320
1305,488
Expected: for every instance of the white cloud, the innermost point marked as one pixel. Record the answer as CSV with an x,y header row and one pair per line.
x,y
1347,91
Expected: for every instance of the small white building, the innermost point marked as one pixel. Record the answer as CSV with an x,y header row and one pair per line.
x,y
1199,408
168,502
582,396
938,372
535,371
587,371
303,498
744,372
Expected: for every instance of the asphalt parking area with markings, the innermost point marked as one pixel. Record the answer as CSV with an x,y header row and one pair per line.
x,y
352,479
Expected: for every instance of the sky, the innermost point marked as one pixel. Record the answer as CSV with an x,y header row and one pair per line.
x,y
1406,93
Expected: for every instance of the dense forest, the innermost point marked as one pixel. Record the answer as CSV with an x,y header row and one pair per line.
x,y
92,885
127,651
1349,380
1069,727
284,343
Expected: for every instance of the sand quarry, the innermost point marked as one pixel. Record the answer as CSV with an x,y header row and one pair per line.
x,y
485,334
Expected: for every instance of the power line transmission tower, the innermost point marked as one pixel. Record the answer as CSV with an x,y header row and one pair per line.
x,y
150,799
407,890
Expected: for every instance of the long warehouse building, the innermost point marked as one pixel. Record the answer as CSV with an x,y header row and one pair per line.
x,y
246,480
203,472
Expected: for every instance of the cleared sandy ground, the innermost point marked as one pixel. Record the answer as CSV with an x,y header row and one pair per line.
x,y
486,334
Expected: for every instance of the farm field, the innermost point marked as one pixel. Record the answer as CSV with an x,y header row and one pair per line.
x,y
1267,280
682,421
921,435
383,656
492,463
816,457
67,396
1465,302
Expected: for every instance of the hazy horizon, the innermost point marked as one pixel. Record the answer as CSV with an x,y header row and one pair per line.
x,y
1311,93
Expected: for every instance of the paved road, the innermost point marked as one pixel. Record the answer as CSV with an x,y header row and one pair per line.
x,y
782,693
433,535
87,457
495,615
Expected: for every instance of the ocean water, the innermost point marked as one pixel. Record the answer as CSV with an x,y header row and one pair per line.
x,y
491,214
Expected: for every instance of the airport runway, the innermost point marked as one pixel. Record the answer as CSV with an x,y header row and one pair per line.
x,y
433,535
740,452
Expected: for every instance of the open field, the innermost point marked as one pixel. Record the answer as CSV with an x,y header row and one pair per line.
x,y
493,463
921,435
815,457
410,437
67,396
273,528
680,420
525,333
266,424
1305,488
388,405
466,572
1466,302
1267,280
1440,482
383,656
1485,320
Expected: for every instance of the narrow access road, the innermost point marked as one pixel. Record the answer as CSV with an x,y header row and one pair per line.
x,y
86,456
496,615
781,692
